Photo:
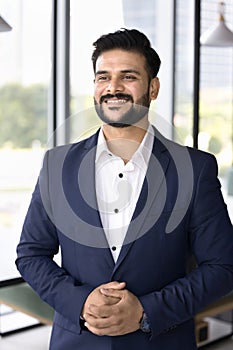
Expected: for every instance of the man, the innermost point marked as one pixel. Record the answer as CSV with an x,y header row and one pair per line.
x,y
129,209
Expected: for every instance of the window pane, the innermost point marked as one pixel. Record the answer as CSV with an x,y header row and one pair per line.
x,y
24,71
183,94
82,36
216,84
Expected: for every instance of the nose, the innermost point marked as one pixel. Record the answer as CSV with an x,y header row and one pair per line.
x,y
115,85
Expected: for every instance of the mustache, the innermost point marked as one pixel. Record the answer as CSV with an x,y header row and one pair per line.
x,y
118,95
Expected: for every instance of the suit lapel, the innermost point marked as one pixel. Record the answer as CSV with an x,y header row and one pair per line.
x,y
86,201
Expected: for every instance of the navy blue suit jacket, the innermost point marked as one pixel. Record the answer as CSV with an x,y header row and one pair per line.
x,y
180,213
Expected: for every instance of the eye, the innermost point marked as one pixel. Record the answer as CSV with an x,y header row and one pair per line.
x,y
129,77
101,78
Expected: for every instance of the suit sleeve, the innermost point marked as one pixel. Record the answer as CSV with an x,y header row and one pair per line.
x,y
35,252
211,239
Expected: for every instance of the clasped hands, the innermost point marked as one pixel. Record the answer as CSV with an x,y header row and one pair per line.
x,y
112,310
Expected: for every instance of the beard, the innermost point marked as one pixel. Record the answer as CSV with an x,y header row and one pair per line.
x,y
134,114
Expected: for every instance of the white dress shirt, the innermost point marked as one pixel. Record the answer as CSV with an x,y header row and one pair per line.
x,y
118,186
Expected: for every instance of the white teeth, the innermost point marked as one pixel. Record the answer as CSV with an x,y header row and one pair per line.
x,y
116,101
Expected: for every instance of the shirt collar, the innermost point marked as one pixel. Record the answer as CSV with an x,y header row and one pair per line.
x,y
101,145
143,153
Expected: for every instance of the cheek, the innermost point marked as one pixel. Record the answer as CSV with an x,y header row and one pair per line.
x,y
140,90
98,91
96,94
139,96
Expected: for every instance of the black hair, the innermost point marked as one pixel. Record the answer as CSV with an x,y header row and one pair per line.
x,y
129,40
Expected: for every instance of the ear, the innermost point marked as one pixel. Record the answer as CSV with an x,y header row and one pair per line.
x,y
154,88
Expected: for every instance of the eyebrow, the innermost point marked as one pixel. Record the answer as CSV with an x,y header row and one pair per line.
x,y
122,71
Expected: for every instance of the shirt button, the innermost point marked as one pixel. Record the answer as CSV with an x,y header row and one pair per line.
x,y
120,175
116,210
113,248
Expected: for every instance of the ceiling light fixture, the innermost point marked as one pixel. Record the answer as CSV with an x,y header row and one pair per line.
x,y
4,26
220,34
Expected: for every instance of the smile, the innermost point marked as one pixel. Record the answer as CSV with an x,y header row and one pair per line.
x,y
116,102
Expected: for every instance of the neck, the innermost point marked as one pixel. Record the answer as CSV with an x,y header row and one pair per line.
x,y
124,142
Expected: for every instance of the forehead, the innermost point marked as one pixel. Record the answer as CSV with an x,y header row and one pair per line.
x,y
118,59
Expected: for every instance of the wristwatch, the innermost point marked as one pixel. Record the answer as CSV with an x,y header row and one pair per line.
x,y
144,324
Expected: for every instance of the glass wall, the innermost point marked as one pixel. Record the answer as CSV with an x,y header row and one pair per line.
x,y
88,21
24,79
215,134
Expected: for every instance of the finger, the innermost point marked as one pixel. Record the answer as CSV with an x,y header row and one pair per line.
x,y
109,300
98,331
98,322
100,311
105,329
114,293
114,285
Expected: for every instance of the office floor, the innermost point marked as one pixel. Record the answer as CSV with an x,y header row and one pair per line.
x,y
38,339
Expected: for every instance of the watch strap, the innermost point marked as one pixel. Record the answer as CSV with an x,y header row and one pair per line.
x,y
145,324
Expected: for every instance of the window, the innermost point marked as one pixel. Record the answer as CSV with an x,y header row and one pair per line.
x,y
216,86
25,74
215,134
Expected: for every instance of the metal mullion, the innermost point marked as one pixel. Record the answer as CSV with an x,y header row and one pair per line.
x,y
174,65
62,71
52,101
59,94
196,85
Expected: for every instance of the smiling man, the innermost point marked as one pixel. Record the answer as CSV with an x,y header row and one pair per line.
x,y
122,88
129,210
